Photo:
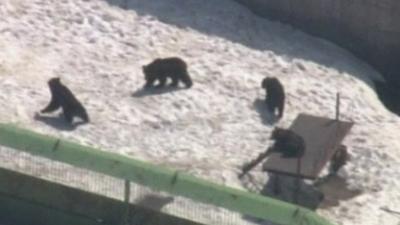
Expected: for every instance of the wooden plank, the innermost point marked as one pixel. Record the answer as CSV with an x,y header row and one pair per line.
x,y
321,135
156,177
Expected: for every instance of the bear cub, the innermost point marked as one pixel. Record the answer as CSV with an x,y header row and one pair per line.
x,y
161,69
62,97
275,95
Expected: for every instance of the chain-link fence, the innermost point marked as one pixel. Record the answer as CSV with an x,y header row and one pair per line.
x,y
145,185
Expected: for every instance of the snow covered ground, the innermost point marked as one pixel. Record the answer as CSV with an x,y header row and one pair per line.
x,y
210,130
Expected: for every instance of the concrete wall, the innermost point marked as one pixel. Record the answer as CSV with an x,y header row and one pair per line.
x,y
368,28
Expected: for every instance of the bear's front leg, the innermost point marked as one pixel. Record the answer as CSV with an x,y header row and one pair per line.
x,y
161,82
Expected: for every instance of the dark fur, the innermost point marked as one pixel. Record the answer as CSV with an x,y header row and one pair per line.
x,y
161,69
288,143
62,97
338,160
275,95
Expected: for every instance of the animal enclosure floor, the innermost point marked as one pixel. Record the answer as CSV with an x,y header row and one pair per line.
x,y
98,48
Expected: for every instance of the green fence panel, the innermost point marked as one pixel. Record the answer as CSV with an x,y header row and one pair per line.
x,y
157,177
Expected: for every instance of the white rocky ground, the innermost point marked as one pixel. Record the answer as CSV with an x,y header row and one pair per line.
x,y
210,130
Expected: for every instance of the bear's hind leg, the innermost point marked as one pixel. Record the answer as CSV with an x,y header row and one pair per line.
x,y
161,82
281,107
69,115
175,81
83,115
270,106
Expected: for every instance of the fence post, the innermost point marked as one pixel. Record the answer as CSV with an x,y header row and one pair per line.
x,y
127,197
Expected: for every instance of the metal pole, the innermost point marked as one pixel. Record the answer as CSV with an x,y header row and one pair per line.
x,y
297,181
127,197
337,106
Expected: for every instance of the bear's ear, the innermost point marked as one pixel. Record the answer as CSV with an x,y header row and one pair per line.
x,y
57,80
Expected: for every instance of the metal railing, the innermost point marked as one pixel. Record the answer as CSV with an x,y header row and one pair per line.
x,y
157,177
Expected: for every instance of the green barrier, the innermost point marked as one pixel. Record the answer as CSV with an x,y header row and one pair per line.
x,y
157,177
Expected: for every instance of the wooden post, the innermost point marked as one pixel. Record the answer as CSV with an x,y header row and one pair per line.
x,y
337,106
297,181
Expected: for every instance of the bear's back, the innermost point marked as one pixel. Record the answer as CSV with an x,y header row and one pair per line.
x,y
274,87
172,64
63,95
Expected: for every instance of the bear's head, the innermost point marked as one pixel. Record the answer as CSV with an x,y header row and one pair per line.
x,y
148,71
54,81
145,70
264,82
269,82
278,133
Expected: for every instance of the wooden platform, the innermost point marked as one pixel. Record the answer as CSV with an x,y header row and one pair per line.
x,y
322,137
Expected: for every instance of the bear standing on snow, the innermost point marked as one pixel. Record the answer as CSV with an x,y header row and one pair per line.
x,y
275,95
62,97
160,69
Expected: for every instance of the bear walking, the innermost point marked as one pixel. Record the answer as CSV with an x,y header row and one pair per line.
x,y
161,69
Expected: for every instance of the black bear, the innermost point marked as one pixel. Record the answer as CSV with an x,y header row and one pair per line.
x,y
62,97
275,95
288,143
160,69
